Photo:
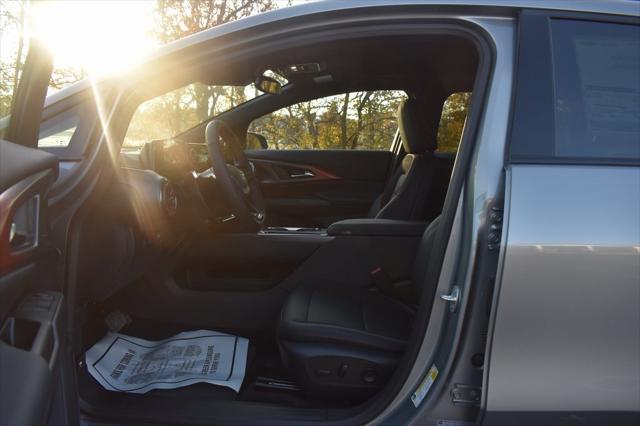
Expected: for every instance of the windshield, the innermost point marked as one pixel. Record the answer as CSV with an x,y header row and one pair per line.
x,y
174,112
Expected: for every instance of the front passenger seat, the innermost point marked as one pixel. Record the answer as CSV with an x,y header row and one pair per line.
x,y
408,191
346,341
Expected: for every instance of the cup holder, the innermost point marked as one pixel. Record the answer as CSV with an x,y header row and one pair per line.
x,y
20,333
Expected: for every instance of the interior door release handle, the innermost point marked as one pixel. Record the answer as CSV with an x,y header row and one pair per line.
x,y
305,174
453,298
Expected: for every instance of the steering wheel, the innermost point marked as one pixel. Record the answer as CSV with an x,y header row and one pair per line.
x,y
235,176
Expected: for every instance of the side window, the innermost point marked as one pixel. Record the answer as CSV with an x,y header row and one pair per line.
x,y
579,101
58,131
454,114
597,89
356,120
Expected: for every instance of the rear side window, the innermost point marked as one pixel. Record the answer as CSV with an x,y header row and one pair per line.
x,y
597,89
454,114
583,98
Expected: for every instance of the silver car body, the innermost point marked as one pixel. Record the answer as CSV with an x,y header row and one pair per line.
x,y
566,315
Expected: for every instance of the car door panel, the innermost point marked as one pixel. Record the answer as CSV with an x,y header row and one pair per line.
x,y
315,188
568,271
35,368
31,364
27,375
30,316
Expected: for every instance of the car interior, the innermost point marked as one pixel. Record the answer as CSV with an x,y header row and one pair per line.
x,y
318,257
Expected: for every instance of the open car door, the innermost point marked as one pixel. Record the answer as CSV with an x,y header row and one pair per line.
x,y
34,367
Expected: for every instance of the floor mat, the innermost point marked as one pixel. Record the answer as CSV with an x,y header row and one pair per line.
x,y
129,364
263,360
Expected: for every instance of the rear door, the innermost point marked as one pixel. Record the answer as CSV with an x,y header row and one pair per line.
x,y
34,367
565,344
327,159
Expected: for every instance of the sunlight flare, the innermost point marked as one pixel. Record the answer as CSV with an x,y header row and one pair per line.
x,y
102,36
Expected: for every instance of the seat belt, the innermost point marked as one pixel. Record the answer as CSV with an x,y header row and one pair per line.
x,y
394,172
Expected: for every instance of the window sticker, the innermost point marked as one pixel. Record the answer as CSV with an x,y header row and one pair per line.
x,y
610,83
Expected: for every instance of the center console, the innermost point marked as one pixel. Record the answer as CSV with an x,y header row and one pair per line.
x,y
282,230
358,227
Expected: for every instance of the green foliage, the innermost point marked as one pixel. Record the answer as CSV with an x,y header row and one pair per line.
x,y
174,112
452,121
177,19
358,120
12,18
6,88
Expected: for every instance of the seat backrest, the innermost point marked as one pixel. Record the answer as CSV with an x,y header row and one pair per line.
x,y
407,191
421,262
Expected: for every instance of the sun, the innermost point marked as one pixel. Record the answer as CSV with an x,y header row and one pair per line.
x,y
101,36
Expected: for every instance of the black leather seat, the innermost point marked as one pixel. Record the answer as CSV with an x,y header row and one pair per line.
x,y
361,317
409,189
348,340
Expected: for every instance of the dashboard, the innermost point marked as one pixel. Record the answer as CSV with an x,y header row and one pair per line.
x,y
173,158
156,206
175,176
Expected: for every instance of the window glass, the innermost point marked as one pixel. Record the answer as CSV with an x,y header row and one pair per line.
x,y
356,120
174,112
597,90
454,114
58,131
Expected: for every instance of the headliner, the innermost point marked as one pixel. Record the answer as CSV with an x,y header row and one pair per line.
x,y
391,62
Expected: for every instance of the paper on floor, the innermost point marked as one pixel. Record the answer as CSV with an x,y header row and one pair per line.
x,y
128,364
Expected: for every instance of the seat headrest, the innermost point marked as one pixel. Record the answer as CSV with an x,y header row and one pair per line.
x,y
413,123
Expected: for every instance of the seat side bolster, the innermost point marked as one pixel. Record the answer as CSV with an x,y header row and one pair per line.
x,y
299,331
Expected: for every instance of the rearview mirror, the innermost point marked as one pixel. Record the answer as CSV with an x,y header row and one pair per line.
x,y
268,85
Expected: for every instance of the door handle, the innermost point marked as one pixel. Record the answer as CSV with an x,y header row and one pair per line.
x,y
305,174
453,298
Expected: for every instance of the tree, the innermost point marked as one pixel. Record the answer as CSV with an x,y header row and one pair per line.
x,y
185,107
180,18
358,120
13,18
177,19
452,121
63,77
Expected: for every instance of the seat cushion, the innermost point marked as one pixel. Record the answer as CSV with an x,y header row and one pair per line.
x,y
348,316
